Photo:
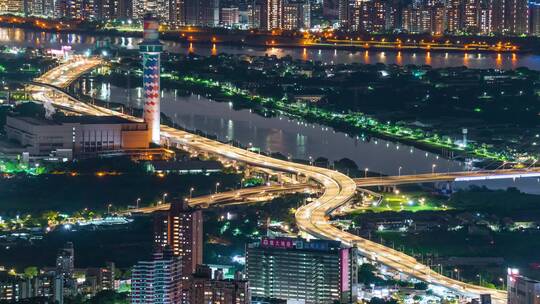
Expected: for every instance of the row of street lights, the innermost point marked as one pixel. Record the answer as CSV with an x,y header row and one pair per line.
x,y
163,198
433,166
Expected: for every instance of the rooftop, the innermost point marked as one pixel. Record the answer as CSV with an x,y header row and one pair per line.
x,y
89,119
85,119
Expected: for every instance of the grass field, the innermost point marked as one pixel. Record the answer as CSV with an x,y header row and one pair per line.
x,y
408,201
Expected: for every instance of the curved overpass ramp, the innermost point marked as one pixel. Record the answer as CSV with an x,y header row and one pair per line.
x,y
338,189
241,195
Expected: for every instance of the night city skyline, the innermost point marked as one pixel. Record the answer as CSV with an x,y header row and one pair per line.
x,y
269,151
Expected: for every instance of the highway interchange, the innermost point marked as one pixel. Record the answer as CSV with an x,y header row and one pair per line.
x,y
313,218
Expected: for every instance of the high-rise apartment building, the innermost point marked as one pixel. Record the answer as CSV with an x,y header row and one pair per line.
x,y
330,9
453,15
157,281
159,8
345,8
65,261
272,14
534,11
522,290
417,19
296,15
9,288
181,228
12,6
438,19
229,16
311,272
207,288
204,13
516,17
470,16
106,9
491,16
254,16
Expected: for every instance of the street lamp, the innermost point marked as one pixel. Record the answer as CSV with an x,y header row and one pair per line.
x,y
399,170
109,208
365,172
311,161
163,197
217,185
433,168
502,281
191,192
138,201
457,273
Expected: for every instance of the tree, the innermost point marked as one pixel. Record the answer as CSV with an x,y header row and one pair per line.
x,y
109,297
30,272
420,286
50,217
321,162
376,300
346,163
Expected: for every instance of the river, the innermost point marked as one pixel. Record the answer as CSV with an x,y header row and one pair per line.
x,y
81,42
295,138
281,134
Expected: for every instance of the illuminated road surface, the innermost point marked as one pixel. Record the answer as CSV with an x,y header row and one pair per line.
x,y
253,194
338,189
448,177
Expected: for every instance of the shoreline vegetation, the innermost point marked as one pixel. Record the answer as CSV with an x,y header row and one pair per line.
x,y
352,123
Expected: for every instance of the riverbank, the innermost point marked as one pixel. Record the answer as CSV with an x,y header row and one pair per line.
x,y
290,40
356,124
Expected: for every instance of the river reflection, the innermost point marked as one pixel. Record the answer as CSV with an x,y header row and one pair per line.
x,y
80,42
298,139
281,134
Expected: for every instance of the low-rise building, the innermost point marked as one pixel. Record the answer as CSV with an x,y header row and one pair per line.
x,y
81,134
522,290
206,288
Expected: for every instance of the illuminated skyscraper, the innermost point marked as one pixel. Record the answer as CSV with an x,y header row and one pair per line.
x,y
203,13
12,6
471,14
229,16
301,271
181,229
516,17
438,19
272,14
157,281
534,9
453,15
151,50
296,15
65,261
160,8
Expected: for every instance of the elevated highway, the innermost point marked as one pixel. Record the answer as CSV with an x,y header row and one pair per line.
x,y
448,177
313,218
254,194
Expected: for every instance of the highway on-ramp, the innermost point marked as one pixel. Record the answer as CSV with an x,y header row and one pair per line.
x,y
252,194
